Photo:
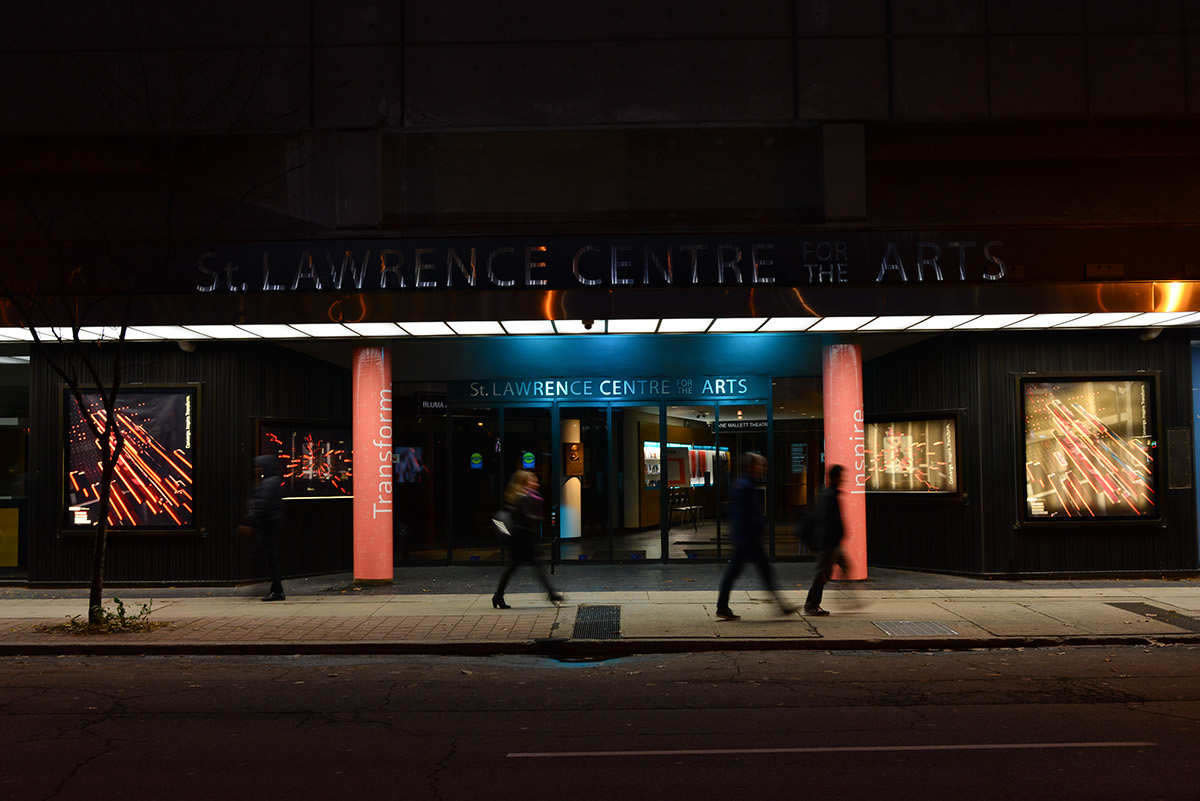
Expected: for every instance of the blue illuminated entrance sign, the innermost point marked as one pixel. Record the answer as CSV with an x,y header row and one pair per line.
x,y
684,388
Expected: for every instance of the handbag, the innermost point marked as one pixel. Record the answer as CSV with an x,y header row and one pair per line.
x,y
502,519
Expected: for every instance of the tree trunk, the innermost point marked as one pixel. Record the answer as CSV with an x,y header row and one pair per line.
x,y
95,597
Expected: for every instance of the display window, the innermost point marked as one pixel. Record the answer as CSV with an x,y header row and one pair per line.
x,y
154,479
1090,447
912,456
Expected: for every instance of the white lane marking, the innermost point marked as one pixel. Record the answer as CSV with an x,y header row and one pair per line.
x,y
828,749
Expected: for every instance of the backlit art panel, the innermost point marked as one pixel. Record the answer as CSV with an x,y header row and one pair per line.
x,y
911,456
155,475
1089,449
316,460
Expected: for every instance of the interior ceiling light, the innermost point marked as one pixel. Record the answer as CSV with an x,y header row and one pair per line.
x,y
897,323
23,360
270,331
1095,320
434,329
323,329
992,321
476,327
579,326
528,326
221,331
376,329
1046,320
633,326
942,322
788,324
736,324
684,325
840,323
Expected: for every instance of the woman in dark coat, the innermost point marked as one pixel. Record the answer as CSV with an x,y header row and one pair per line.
x,y
524,506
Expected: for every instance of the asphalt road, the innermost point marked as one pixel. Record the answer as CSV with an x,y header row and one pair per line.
x,y
1094,723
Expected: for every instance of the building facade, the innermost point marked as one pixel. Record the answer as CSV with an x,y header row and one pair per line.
x,y
410,250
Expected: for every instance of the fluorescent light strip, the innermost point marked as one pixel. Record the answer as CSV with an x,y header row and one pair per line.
x,y
1045,320
943,322
528,326
840,323
1097,319
169,332
271,331
324,329
434,329
22,360
221,331
897,323
723,325
1191,319
684,325
1151,318
22,334
376,329
990,322
577,327
788,324
641,326
476,327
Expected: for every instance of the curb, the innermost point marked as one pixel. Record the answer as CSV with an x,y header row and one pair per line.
x,y
582,649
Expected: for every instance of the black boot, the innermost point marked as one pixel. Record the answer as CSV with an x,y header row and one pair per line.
x,y
498,602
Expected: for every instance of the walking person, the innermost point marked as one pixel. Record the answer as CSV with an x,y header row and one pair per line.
x,y
267,520
748,524
524,505
827,535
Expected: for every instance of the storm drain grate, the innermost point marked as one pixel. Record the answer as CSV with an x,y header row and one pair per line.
x,y
918,628
595,622
1168,616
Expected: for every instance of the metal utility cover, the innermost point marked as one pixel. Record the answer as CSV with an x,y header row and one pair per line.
x,y
911,628
597,622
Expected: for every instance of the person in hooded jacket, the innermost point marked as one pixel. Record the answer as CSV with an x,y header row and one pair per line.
x,y
267,519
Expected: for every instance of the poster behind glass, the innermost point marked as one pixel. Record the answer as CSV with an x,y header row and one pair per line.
x,y
1089,449
911,456
154,478
316,459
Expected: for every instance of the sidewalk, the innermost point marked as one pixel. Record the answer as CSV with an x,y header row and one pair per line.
x,y
611,611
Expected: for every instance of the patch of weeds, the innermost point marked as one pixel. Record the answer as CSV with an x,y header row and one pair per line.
x,y
118,622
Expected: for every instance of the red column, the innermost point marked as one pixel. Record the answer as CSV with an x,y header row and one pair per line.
x,y
373,507
845,445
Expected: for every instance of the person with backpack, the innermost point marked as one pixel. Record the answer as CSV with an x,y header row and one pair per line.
x,y
826,539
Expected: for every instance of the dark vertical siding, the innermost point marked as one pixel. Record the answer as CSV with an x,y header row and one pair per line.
x,y
980,533
238,382
937,376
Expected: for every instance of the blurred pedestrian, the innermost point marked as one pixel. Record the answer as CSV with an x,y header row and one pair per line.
x,y
525,508
748,525
827,535
267,520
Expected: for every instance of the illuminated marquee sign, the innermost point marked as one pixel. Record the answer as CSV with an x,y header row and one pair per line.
x,y
575,263
625,389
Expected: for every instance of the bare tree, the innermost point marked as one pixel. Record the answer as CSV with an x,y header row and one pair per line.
x,y
109,203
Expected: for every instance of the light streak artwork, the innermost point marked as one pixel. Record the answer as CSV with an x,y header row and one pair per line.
x,y
1089,449
152,483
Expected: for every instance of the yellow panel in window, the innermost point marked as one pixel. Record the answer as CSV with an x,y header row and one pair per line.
x,y
10,521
